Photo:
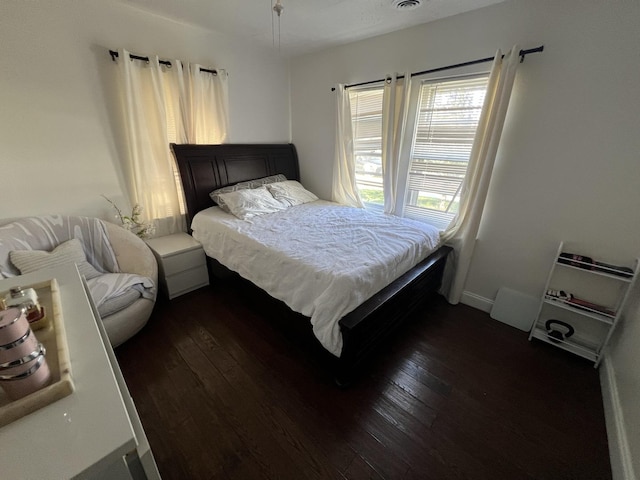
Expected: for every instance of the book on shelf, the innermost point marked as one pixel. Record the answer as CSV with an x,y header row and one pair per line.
x,y
588,263
569,299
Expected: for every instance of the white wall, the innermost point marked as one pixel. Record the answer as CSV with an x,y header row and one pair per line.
x,y
59,135
569,161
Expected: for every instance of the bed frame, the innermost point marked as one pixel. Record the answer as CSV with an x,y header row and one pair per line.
x,y
204,168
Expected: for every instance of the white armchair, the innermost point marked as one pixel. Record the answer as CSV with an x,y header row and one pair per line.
x,y
108,248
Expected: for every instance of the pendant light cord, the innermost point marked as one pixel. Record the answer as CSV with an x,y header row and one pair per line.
x,y
273,33
278,9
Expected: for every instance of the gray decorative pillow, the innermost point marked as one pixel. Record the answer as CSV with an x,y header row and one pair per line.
x,y
249,184
67,252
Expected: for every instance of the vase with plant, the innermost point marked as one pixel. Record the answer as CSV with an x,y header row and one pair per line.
x,y
133,222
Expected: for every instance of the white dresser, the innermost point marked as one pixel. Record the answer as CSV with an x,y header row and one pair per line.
x,y
93,433
182,263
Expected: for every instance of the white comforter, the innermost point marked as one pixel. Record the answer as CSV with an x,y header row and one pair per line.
x,y
322,259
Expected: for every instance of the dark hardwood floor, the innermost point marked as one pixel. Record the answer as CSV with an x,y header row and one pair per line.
x,y
225,390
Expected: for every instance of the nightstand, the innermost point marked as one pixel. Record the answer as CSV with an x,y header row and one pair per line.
x,y
182,264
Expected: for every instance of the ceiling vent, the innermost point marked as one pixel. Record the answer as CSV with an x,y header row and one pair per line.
x,y
406,4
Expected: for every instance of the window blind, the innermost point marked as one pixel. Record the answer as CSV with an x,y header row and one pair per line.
x,y
447,118
366,116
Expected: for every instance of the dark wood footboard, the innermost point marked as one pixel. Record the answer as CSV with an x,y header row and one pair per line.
x,y
366,327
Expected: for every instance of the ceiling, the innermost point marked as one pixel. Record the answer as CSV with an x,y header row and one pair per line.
x,y
306,25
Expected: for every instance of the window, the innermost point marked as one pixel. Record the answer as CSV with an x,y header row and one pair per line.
x,y
446,122
366,116
441,138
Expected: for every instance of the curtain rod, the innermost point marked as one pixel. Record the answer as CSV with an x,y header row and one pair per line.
x,y
114,54
522,54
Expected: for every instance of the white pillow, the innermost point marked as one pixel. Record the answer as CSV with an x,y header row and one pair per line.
x,y
291,192
67,252
245,204
258,182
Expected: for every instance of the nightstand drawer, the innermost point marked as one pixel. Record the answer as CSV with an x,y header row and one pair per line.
x,y
183,261
185,281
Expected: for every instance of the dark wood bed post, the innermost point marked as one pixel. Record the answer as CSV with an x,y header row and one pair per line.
x,y
204,168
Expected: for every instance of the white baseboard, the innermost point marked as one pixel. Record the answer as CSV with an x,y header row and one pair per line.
x,y
621,464
476,301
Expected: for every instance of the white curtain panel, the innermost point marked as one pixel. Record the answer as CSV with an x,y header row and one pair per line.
x,y
395,101
148,167
462,232
161,105
207,117
176,95
344,188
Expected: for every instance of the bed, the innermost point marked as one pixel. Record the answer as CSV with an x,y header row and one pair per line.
x,y
204,168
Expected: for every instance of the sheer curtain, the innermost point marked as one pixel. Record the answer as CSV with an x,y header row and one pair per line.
x,y
160,105
461,233
344,188
395,103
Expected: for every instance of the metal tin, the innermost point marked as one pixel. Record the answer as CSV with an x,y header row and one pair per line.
x,y
22,360
16,337
9,317
27,378
13,325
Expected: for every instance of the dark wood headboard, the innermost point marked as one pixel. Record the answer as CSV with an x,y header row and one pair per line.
x,y
204,168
